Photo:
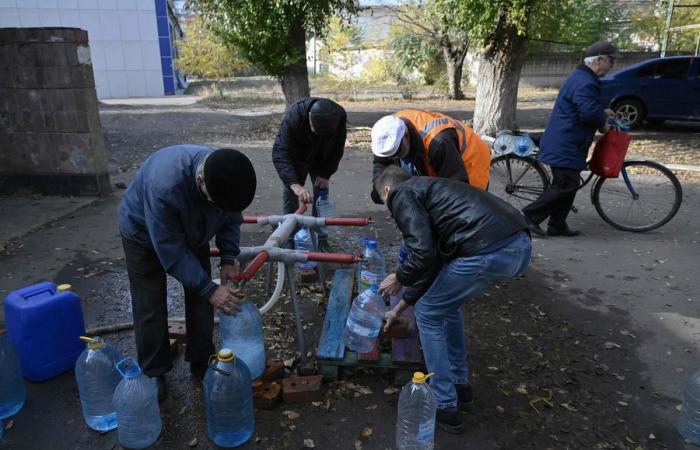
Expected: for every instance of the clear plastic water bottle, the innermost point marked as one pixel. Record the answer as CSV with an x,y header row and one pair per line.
x,y
523,146
688,424
415,424
97,378
228,398
324,207
243,334
372,267
12,391
136,404
302,243
504,143
364,320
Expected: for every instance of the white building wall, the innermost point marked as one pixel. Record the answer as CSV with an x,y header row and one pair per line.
x,y
123,38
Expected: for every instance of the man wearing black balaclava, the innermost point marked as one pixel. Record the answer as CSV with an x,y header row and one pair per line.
x,y
181,197
310,141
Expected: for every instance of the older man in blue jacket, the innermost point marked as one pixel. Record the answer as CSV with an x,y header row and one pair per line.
x,y
576,116
180,198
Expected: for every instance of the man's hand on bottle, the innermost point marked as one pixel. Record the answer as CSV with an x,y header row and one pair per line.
x,y
390,285
224,299
301,192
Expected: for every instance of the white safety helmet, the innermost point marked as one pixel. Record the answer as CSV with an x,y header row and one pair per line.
x,y
386,136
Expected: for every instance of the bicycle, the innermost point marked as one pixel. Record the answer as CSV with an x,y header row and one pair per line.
x,y
644,197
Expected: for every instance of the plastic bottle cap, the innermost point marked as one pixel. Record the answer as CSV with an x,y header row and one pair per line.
x,y
95,343
372,244
420,377
225,355
374,288
63,287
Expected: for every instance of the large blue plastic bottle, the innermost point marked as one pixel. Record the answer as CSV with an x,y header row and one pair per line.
x,y
44,322
136,404
228,398
364,320
372,267
415,421
97,378
12,391
243,334
688,424
302,243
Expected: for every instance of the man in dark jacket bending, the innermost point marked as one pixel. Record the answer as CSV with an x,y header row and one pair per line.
x,y
310,141
181,197
461,240
576,116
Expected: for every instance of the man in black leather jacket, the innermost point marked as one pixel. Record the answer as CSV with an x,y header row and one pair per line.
x,y
461,240
310,141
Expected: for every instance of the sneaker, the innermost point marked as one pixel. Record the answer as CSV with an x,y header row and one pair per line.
x,y
162,388
198,369
450,420
465,396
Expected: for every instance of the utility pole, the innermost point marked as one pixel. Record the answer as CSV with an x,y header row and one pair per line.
x,y
669,16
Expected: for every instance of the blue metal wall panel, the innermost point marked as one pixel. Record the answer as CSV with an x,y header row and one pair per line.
x,y
165,45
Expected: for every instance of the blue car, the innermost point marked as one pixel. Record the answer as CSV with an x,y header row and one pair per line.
x,y
655,90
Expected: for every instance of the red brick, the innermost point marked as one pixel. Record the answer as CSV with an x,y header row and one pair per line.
x,y
302,389
177,331
399,329
266,395
307,276
274,370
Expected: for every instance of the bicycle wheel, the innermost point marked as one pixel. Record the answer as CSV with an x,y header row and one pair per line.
x,y
517,180
643,198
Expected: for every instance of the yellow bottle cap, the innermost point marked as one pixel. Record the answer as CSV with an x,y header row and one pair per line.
x,y
63,287
95,343
225,355
420,377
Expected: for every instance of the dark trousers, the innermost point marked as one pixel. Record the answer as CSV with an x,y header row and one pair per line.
x,y
556,201
290,202
147,280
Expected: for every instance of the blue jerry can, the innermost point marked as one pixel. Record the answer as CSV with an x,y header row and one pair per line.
x,y
44,322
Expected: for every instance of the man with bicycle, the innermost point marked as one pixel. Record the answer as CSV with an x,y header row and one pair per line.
x,y
576,116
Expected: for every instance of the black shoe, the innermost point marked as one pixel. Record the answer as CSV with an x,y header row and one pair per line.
x,y
450,421
567,232
324,246
198,369
465,397
162,388
533,227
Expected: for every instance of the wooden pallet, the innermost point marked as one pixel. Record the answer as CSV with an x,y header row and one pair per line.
x,y
405,356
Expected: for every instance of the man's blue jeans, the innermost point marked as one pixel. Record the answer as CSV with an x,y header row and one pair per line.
x,y
439,317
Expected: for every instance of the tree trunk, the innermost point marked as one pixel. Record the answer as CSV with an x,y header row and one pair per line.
x,y
454,63
499,73
295,77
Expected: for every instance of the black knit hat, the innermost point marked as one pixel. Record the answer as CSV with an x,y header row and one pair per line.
x,y
230,180
324,116
601,48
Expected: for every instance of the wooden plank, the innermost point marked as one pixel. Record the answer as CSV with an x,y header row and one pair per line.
x,y
406,350
331,345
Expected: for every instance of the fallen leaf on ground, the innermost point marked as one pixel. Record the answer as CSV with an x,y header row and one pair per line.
x,y
290,414
366,432
193,442
309,443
